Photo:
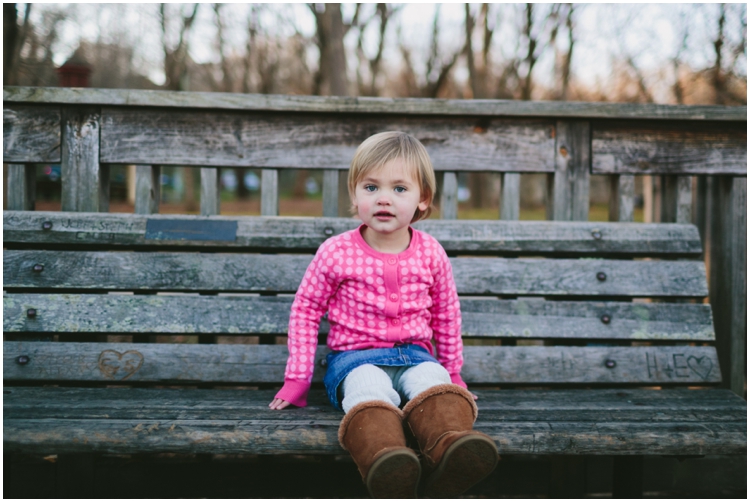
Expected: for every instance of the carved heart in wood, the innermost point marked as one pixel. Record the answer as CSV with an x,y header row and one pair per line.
x,y
701,366
120,365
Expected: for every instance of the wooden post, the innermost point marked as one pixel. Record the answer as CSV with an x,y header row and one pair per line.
x,y
21,187
728,277
147,189
702,209
85,183
510,209
676,199
572,168
210,200
269,192
449,197
331,192
621,197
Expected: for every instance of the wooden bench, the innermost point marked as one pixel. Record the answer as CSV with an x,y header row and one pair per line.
x,y
149,333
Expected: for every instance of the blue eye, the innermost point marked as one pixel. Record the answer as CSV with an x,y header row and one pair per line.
x,y
370,188
400,189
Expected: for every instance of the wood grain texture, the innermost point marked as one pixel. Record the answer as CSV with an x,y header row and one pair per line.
x,y
328,104
305,141
571,422
684,202
147,189
449,197
31,133
85,184
330,193
269,192
674,148
269,233
210,200
217,272
21,193
510,202
525,319
572,165
247,364
621,197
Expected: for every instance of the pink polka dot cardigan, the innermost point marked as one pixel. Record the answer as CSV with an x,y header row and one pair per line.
x,y
373,300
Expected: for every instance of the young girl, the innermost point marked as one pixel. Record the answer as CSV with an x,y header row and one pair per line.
x,y
388,290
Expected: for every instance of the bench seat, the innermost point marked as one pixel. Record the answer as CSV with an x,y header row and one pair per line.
x,y
235,421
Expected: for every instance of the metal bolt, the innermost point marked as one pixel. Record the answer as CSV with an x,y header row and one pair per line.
x,y
596,234
38,267
601,276
328,231
47,225
23,360
606,318
609,363
31,313
323,363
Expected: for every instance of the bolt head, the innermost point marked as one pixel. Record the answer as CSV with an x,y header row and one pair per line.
x,y
47,225
606,318
609,363
31,313
38,267
328,231
23,360
601,276
323,363
596,234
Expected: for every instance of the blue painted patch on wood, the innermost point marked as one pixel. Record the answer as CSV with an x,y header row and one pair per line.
x,y
191,230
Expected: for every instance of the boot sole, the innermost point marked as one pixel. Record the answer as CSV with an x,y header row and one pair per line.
x,y
465,463
394,475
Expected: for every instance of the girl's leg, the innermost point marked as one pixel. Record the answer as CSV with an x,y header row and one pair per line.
x,y
368,383
414,380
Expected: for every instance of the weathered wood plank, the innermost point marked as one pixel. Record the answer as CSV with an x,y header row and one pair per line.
x,y
480,236
269,192
449,196
85,184
684,202
510,207
21,189
330,193
304,141
671,148
231,363
621,197
126,271
623,422
148,189
210,199
31,133
328,104
268,315
572,165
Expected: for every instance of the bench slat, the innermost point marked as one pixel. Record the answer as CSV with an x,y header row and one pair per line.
x,y
186,363
31,134
317,141
623,422
133,271
163,314
540,237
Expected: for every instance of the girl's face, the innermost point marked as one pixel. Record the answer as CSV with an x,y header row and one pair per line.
x,y
386,198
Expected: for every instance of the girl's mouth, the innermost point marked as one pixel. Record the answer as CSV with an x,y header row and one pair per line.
x,y
383,215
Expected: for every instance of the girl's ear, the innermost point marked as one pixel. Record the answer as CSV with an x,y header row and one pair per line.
x,y
423,205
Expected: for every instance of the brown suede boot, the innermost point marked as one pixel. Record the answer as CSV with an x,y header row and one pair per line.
x,y
373,433
454,456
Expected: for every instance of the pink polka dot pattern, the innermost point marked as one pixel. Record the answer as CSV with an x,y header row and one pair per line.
x,y
374,301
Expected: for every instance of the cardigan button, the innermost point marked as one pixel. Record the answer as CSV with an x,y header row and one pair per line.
x,y
392,261
395,322
394,297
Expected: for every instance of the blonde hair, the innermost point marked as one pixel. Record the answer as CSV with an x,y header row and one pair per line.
x,y
381,148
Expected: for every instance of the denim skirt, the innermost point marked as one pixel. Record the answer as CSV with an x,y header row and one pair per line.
x,y
341,363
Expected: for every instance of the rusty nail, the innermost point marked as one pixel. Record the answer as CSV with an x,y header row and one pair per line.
x,y
606,318
601,276
47,225
609,363
328,231
38,267
23,360
596,234
31,313
563,151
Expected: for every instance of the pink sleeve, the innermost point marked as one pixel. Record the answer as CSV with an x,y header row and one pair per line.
x,y
310,303
446,318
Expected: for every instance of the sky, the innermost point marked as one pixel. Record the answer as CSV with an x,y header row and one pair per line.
x,y
647,31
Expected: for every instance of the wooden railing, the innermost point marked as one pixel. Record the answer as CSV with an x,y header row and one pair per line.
x,y
86,130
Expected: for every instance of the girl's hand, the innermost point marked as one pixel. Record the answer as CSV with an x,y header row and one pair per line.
x,y
278,404
474,396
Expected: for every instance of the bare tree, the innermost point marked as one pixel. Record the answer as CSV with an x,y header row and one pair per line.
x,y
383,14
14,38
175,58
332,78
